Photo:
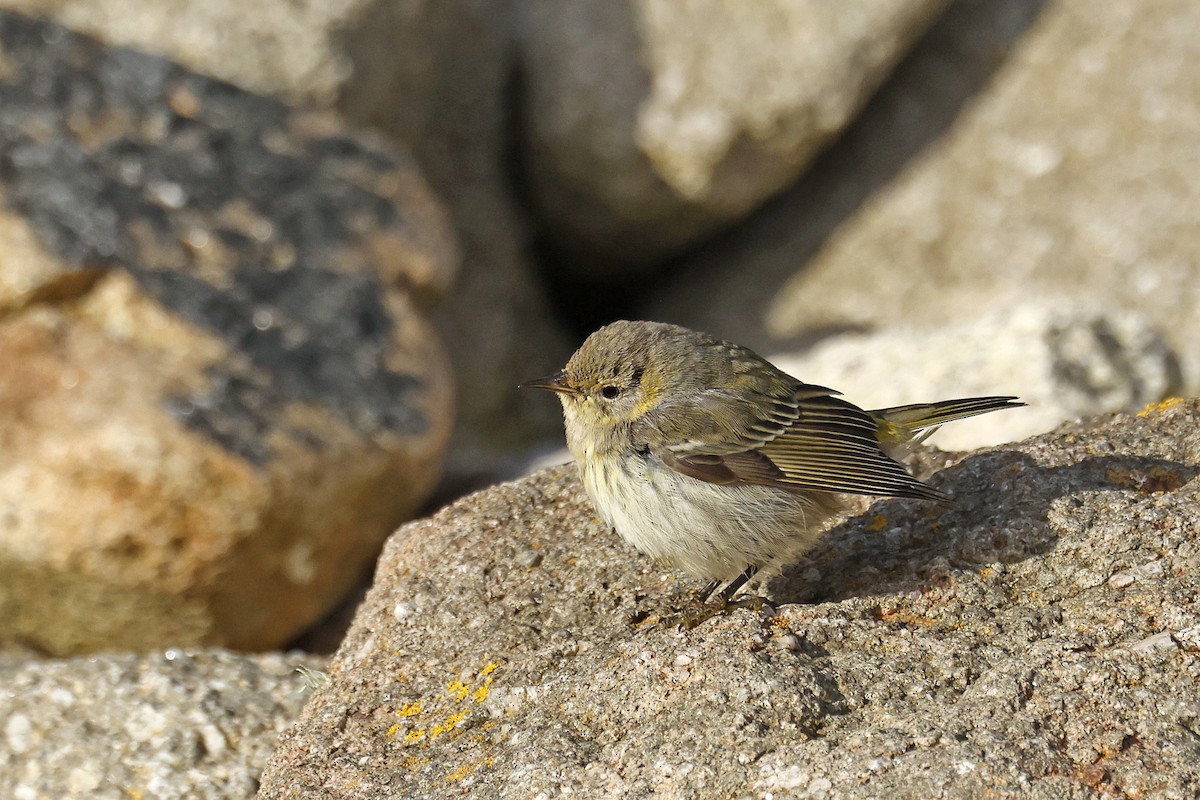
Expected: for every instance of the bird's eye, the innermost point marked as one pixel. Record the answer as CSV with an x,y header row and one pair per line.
x,y
610,392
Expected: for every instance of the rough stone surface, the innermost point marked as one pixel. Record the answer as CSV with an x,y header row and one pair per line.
x,y
218,392
1036,640
1065,363
1073,173
170,726
650,123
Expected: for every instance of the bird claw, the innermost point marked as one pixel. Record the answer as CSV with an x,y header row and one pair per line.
x,y
697,611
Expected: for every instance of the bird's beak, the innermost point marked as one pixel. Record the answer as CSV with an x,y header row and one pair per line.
x,y
555,383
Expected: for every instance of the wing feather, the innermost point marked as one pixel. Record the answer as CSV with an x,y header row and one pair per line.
x,y
810,440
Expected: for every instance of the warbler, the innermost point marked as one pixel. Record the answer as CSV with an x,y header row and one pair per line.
x,y
707,458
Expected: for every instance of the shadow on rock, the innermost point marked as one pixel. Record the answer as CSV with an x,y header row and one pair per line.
x,y
1001,513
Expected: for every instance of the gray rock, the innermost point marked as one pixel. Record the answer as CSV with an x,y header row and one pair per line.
x,y
1024,150
649,124
270,47
508,648
1064,362
172,725
438,76
218,391
1071,176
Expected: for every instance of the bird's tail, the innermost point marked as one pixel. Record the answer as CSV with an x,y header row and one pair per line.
x,y
898,426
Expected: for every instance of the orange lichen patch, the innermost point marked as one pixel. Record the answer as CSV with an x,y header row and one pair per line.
x,y
1091,775
1162,405
1150,481
877,523
781,623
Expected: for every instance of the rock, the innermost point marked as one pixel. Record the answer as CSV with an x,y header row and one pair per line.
x,y
728,285
271,47
648,125
1065,363
218,393
1088,194
171,725
436,76
917,651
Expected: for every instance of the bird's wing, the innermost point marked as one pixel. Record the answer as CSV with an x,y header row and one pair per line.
x,y
807,440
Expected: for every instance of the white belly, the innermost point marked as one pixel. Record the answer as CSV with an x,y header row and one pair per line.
x,y
712,532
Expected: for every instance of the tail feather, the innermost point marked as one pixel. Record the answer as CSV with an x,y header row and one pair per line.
x,y
912,418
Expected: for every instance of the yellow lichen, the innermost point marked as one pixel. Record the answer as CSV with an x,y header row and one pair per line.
x,y
481,694
452,721
414,763
456,690
459,773
1162,405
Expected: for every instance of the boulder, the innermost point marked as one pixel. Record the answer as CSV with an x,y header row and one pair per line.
x,y
1039,638
218,389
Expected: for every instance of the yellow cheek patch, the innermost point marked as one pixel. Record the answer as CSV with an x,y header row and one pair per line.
x,y
651,389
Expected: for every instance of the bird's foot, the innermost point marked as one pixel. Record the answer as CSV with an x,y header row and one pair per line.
x,y
696,612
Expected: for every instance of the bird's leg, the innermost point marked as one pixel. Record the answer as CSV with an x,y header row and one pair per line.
x,y
706,591
700,610
737,583
752,602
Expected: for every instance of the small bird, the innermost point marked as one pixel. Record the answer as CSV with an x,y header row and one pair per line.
x,y
707,458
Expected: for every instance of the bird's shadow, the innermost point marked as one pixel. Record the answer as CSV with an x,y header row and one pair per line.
x,y
1003,500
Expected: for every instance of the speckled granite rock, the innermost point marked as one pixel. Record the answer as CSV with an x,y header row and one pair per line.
x,y
651,123
1064,362
218,391
1040,639
173,725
